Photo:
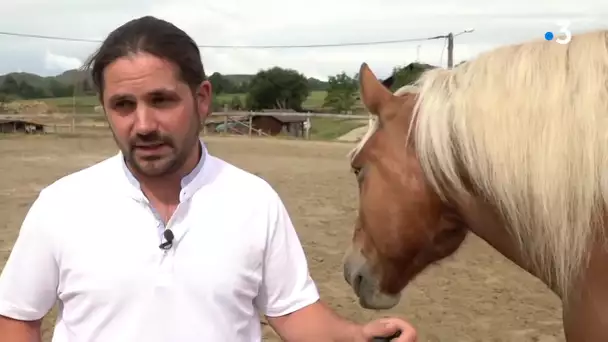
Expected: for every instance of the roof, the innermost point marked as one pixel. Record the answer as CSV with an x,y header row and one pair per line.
x,y
220,118
290,118
6,121
286,118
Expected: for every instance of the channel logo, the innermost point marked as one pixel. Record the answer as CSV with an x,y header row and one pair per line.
x,y
563,35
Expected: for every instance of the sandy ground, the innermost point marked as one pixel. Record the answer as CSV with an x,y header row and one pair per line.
x,y
477,295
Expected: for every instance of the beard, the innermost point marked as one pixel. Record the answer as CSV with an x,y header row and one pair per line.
x,y
157,154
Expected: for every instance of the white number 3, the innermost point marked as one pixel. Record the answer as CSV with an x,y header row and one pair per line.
x,y
565,35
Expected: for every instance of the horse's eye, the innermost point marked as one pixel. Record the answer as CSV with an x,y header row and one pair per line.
x,y
356,171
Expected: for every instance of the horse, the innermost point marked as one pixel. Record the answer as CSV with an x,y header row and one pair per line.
x,y
511,146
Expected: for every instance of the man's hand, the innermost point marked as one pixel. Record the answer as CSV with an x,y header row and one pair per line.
x,y
387,327
317,322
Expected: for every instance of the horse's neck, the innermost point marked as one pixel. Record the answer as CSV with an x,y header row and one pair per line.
x,y
586,308
483,221
586,311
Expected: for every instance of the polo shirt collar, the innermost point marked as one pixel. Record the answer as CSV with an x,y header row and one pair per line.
x,y
190,184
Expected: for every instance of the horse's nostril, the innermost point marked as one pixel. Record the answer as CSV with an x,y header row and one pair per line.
x,y
346,273
357,283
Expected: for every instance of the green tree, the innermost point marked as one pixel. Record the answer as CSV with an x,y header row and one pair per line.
x,y
4,98
408,74
242,87
85,87
58,89
342,93
277,88
28,91
221,84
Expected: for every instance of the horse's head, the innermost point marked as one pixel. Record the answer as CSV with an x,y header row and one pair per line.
x,y
402,224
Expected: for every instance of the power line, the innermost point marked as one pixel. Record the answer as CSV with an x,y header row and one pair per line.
x,y
380,42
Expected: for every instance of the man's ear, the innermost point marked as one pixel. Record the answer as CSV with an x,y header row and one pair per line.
x,y
204,100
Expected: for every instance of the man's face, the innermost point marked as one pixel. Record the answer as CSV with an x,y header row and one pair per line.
x,y
153,114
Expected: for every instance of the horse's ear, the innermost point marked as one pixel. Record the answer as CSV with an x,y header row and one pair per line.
x,y
374,94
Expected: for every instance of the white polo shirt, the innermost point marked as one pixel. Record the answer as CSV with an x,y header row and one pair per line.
x,y
91,240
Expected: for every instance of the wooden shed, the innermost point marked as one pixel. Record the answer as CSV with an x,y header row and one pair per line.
x,y
274,125
20,126
235,124
292,125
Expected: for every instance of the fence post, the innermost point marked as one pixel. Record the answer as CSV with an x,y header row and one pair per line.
x,y
307,124
250,124
225,119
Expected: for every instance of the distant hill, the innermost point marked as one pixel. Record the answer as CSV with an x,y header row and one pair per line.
x,y
66,78
33,79
71,77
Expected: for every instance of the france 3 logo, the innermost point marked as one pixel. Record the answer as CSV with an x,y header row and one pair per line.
x,y
563,36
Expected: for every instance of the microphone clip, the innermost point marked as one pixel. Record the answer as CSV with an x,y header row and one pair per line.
x,y
168,235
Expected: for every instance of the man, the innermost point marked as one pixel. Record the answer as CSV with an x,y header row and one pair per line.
x,y
228,249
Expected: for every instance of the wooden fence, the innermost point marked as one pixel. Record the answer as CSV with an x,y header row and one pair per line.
x,y
232,122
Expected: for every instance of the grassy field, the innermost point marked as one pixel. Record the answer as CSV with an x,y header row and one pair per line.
x,y
314,101
330,129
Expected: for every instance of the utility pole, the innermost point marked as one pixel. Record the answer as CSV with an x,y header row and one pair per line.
x,y
450,50
450,37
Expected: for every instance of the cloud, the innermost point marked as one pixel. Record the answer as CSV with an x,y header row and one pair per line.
x,y
56,62
291,22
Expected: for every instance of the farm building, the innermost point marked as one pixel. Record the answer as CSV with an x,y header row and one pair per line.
x,y
235,124
20,126
274,125
270,125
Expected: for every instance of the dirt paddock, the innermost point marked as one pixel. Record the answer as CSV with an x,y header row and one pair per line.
x,y
477,295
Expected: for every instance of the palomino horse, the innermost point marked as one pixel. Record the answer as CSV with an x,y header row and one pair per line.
x,y
511,146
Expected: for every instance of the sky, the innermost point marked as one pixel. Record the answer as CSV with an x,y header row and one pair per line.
x,y
291,22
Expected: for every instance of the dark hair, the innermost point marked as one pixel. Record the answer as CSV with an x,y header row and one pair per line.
x,y
156,37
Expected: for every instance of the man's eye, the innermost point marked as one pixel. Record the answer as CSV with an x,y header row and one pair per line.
x,y
163,101
159,101
124,105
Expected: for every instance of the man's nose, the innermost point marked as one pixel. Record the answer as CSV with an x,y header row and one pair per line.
x,y
145,121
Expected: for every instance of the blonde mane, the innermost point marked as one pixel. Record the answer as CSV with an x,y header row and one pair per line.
x,y
528,125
